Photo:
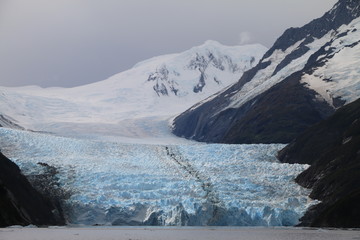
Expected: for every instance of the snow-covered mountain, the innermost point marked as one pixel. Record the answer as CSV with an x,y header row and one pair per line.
x,y
131,103
307,74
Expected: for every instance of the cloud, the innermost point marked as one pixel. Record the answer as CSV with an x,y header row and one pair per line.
x,y
244,37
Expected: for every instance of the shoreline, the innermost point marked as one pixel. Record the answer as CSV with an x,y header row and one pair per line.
x,y
175,233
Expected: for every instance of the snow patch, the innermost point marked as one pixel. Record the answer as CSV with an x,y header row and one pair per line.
x,y
339,77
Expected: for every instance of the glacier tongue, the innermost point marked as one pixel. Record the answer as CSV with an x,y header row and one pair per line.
x,y
186,184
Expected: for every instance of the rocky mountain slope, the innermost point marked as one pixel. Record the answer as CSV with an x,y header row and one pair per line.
x,y
332,147
20,203
307,74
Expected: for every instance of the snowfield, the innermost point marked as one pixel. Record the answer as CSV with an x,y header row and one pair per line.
x,y
183,184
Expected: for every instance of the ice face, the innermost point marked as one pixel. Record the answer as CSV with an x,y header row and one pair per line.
x,y
143,184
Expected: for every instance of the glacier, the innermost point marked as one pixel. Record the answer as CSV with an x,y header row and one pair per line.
x,y
189,183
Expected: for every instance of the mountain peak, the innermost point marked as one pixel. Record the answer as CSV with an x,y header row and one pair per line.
x,y
209,45
212,43
351,8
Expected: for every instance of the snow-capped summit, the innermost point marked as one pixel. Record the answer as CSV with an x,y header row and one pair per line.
x,y
307,74
158,88
207,67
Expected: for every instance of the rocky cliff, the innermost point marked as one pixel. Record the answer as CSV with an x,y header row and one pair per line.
x,y
20,203
332,148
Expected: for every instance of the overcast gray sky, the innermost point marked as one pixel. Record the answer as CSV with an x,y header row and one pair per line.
x,y
74,42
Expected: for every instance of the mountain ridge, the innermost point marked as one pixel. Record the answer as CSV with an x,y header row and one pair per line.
x,y
297,57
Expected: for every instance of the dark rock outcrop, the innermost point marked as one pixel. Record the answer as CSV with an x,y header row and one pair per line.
x,y
6,122
20,203
277,116
332,148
